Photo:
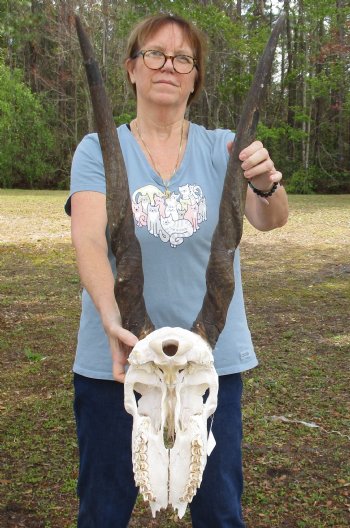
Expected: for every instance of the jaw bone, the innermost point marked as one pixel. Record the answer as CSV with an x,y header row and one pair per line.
x,y
171,369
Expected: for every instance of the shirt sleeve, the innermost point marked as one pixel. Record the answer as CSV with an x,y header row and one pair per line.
x,y
220,153
87,171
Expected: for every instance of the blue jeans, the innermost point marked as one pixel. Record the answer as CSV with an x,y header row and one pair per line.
x,y
106,487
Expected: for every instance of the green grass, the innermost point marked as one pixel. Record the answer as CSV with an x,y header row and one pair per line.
x,y
297,291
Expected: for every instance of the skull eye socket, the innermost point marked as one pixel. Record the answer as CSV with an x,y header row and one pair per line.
x,y
170,347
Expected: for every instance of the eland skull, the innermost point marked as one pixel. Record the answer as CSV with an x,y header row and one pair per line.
x,y
172,369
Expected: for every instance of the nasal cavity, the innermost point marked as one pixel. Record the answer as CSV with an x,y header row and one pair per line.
x,y
170,347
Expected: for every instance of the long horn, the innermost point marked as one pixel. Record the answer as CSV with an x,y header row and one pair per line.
x,y
219,276
125,246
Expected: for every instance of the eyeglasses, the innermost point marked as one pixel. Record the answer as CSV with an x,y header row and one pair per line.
x,y
155,60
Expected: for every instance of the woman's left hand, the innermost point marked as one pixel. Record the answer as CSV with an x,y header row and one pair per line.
x,y
258,167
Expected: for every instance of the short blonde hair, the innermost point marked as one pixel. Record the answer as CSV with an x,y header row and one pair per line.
x,y
195,37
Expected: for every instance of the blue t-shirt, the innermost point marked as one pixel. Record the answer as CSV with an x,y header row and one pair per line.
x,y
175,233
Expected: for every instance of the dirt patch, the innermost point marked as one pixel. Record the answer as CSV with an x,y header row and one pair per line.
x,y
15,516
33,217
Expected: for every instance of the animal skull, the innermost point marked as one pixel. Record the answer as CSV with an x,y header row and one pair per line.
x,y
171,369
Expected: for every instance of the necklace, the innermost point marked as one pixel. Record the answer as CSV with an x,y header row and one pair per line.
x,y
166,183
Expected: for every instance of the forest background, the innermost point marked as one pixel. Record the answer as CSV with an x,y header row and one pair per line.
x,y
45,107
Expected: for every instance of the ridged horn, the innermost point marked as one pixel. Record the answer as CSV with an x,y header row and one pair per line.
x,y
128,288
227,235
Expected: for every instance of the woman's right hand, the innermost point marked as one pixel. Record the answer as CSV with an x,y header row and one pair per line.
x,y
121,342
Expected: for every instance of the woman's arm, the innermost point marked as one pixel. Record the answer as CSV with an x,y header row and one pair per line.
x,y
267,213
263,213
89,221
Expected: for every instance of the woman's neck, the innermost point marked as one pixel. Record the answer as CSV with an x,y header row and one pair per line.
x,y
160,124
163,140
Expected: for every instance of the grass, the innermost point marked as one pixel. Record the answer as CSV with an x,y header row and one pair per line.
x,y
297,295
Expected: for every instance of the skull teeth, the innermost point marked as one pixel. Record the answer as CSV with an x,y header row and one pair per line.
x,y
140,467
196,470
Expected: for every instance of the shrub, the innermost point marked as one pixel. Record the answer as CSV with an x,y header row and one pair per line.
x,y
302,181
315,180
25,138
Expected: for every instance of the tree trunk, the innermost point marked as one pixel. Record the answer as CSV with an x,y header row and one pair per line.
x,y
319,100
342,88
290,72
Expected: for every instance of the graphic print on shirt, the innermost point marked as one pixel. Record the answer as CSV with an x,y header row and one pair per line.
x,y
171,218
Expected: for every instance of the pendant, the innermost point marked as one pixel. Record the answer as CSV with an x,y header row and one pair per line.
x,y
167,193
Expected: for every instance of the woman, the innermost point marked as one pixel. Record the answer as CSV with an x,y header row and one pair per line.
x,y
175,171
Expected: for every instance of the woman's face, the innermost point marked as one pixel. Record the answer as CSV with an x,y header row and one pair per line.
x,y
164,86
